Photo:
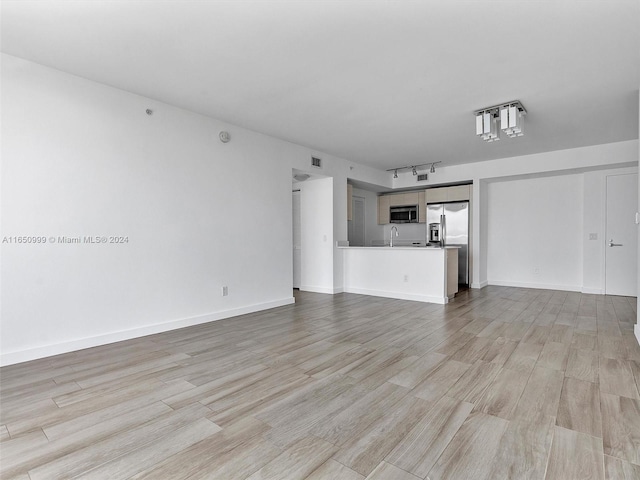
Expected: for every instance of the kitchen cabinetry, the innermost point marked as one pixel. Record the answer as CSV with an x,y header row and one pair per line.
x,y
349,202
456,193
398,200
422,207
383,209
437,195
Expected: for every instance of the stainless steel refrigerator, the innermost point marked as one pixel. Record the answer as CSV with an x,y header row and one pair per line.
x,y
453,221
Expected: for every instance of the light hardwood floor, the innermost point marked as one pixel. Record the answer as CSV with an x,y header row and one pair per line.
x,y
502,383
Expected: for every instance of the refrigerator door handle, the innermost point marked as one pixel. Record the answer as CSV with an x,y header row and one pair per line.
x,y
443,228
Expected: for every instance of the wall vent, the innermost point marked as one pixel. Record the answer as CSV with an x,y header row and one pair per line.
x,y
316,162
423,177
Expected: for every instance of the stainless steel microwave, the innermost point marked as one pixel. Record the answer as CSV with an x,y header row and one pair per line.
x,y
404,214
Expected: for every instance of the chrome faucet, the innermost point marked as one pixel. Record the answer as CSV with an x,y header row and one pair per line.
x,y
393,229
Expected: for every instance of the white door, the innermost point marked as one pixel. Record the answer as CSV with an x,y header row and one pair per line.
x,y
297,236
621,235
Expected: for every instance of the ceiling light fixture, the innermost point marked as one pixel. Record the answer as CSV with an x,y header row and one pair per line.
x,y
511,117
413,168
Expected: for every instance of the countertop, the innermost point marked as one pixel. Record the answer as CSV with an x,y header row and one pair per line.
x,y
401,247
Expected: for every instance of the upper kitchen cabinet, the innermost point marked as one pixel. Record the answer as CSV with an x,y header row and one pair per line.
x,y
436,195
383,209
401,200
458,193
422,203
397,199
349,202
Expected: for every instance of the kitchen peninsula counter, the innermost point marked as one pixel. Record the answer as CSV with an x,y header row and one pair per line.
x,y
423,274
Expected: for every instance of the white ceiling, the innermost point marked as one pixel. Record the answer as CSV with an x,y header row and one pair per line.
x,y
385,83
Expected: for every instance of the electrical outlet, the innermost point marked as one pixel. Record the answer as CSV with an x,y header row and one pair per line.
x,y
536,270
225,291
406,278
593,236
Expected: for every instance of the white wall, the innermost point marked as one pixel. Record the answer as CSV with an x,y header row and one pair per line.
x,y
534,232
637,326
84,159
316,219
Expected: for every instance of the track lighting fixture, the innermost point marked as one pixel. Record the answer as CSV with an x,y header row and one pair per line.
x,y
413,168
509,114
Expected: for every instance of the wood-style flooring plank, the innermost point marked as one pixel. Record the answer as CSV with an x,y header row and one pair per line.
x,y
418,451
611,346
524,357
541,395
354,418
583,365
616,377
471,386
363,454
332,469
502,395
440,380
579,407
554,355
471,451
616,469
196,461
110,448
415,373
500,350
524,450
585,341
621,427
297,461
139,459
386,471
537,334
575,456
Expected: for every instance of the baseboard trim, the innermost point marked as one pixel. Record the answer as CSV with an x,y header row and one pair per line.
x,y
593,291
398,295
479,285
636,330
540,286
329,290
89,342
